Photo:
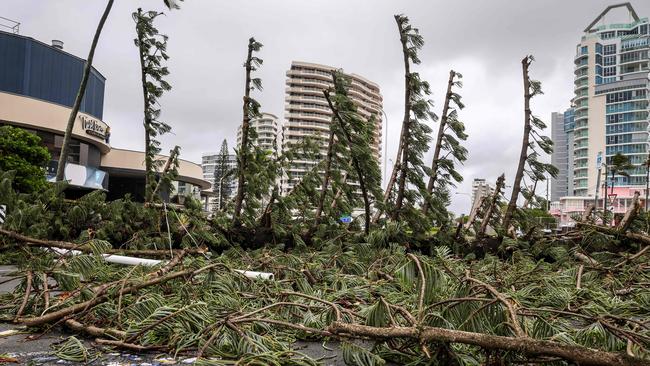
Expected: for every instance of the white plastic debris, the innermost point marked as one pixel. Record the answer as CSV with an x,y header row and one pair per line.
x,y
133,261
256,275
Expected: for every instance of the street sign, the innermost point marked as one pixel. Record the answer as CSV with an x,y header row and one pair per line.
x,y
346,219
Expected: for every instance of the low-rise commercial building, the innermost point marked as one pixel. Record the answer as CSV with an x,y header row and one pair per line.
x,y
38,85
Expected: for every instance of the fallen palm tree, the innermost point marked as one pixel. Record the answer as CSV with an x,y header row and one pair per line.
x,y
439,307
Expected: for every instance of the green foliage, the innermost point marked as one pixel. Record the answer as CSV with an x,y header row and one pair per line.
x,y
253,179
22,152
359,160
72,349
448,152
223,177
416,135
47,214
152,48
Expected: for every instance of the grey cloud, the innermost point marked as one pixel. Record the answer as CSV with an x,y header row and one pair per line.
x,y
485,40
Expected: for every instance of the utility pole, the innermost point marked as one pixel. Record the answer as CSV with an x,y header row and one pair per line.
x,y
548,203
599,165
605,196
647,180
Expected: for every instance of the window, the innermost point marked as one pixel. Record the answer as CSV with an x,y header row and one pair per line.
x,y
627,117
583,50
608,35
643,29
609,71
609,60
599,59
634,56
599,48
609,49
626,95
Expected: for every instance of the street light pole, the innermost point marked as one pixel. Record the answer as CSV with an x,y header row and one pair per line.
x,y
385,143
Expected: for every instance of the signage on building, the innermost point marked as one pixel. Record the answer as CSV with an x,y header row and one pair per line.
x,y
599,160
94,127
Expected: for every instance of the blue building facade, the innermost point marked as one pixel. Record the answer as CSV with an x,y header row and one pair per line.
x,y
34,69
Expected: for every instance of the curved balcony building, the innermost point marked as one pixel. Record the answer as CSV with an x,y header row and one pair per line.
x,y
611,100
307,113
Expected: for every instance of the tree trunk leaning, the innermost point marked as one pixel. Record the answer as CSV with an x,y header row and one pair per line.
x,y
516,185
65,148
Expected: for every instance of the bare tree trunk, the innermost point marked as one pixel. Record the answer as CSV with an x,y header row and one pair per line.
x,y
65,149
516,185
631,213
355,160
472,215
265,219
406,125
493,203
441,132
172,156
326,180
529,346
243,149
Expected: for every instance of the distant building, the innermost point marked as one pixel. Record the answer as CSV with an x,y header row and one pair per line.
x,y
307,113
266,126
562,125
209,164
480,188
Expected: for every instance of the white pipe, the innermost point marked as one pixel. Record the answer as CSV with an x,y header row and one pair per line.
x,y
112,258
132,261
257,275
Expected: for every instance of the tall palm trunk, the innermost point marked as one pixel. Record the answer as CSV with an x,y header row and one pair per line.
x,y
243,148
149,178
65,149
406,124
441,131
516,185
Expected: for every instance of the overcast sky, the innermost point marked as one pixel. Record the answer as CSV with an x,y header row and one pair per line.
x,y
483,40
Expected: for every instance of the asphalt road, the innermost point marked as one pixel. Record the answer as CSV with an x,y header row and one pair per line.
x,y
36,349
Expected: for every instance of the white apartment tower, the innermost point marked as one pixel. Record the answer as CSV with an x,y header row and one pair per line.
x,y
307,113
266,126
208,164
611,99
480,188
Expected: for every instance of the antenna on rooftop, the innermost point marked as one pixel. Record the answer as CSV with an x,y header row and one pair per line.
x,y
13,25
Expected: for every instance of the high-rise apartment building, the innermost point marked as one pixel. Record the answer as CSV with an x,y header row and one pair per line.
x,y
480,188
609,115
562,125
229,186
611,99
307,113
266,126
